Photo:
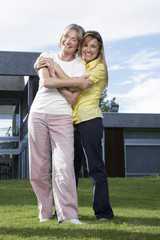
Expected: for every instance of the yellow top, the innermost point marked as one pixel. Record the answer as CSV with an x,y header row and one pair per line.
x,y
87,105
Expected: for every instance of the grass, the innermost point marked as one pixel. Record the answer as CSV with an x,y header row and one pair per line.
x,y
135,201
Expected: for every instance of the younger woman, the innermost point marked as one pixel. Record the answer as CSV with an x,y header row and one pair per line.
x,y
87,118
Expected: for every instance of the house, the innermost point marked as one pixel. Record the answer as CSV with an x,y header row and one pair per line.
x,y
131,143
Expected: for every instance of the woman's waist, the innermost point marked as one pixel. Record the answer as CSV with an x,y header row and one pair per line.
x,y
87,104
51,105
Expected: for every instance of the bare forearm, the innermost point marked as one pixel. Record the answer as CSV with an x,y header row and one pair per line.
x,y
49,82
49,78
58,83
71,97
74,89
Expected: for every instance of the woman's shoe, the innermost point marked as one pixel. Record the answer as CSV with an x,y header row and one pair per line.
x,y
73,221
44,219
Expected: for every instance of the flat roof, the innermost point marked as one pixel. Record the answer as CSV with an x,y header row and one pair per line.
x,y
18,63
131,120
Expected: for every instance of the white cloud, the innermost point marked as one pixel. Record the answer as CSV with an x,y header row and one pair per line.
x,y
142,98
141,61
117,67
126,83
145,60
141,77
29,25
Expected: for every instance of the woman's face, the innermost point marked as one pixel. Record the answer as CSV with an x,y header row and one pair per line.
x,y
69,43
90,50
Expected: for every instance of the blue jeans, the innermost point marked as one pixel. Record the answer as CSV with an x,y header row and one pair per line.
x,y
89,134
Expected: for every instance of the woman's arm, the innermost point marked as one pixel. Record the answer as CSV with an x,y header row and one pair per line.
x,y
61,74
71,97
70,94
50,80
54,82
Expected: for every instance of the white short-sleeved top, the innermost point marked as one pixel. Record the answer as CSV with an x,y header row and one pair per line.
x,y
49,100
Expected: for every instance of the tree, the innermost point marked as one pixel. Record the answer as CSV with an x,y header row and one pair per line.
x,y
105,104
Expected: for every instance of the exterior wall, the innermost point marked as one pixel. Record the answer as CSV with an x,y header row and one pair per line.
x,y
142,151
114,152
141,144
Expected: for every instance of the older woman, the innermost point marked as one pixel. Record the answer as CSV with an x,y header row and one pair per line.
x,y
50,123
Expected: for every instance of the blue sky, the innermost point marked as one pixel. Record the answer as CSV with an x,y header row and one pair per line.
x,y
130,30
134,73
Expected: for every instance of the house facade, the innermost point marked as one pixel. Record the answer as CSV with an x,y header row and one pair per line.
x,y
131,143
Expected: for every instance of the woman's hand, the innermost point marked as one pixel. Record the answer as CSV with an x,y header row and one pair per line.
x,y
42,62
83,82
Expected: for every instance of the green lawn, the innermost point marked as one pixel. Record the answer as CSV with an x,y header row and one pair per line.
x,y
135,201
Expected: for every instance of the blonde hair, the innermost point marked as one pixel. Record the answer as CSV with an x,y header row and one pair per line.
x,y
101,56
80,33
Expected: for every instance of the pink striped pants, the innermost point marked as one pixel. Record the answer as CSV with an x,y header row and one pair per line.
x,y
57,130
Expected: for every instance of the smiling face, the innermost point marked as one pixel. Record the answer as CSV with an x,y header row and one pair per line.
x,y
69,43
90,49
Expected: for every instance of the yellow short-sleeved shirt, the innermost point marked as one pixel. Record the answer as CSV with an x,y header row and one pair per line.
x,y
87,105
